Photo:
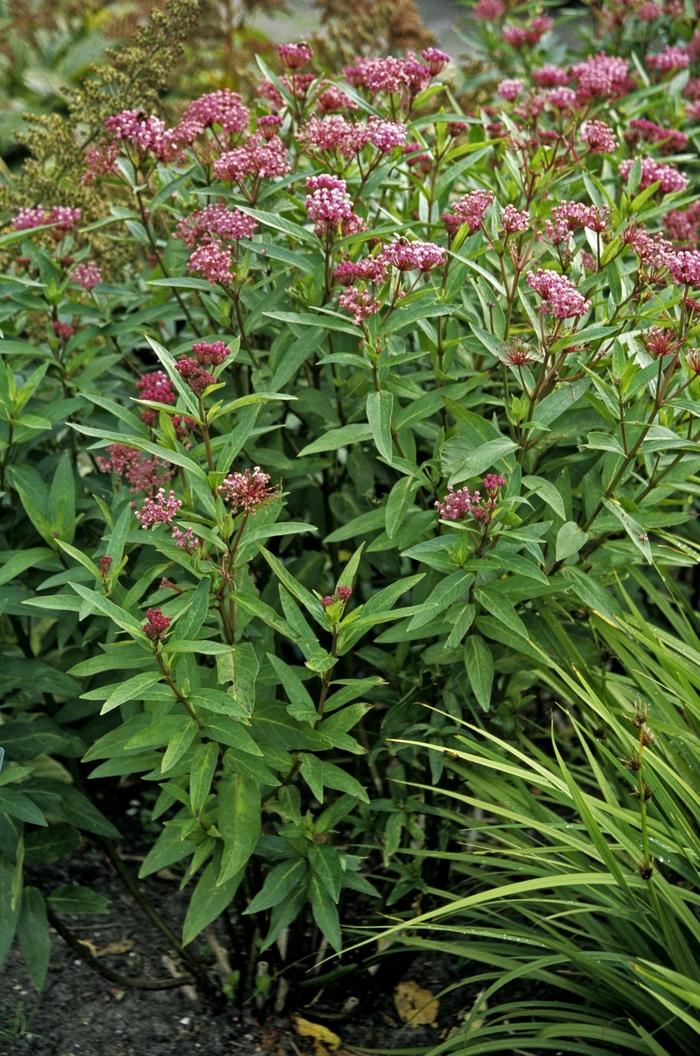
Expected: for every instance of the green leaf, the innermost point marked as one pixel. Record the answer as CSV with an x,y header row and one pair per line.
x,y
398,503
301,706
380,406
72,898
33,935
459,466
279,883
209,900
203,768
239,822
19,806
478,663
239,666
545,490
634,530
570,539
119,693
61,502
335,438
179,744
324,913
491,599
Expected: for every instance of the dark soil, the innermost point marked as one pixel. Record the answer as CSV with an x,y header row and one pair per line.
x,y
82,1014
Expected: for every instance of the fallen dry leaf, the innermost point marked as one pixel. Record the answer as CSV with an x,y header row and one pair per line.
x,y
121,946
324,1040
416,1007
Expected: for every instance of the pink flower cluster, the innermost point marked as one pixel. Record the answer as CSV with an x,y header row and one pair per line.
x,y
87,275
599,137
367,269
389,74
213,262
141,472
155,386
335,133
258,157
529,35
465,503
64,217
683,225
223,108
469,210
602,77
211,353
684,266
653,250
248,490
156,624
216,221
294,56
359,303
413,256
550,77
669,139
328,204
560,297
147,133
671,58
667,176
514,220
660,342
186,540
333,99
159,509
489,10
196,376
510,89
341,594
572,216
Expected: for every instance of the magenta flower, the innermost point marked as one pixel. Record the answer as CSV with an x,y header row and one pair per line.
x,y
294,56
213,262
211,353
670,139
359,303
87,275
560,297
144,473
435,59
414,256
247,491
156,624
216,220
195,375
469,210
514,220
157,387
258,157
602,77
671,58
684,266
329,205
334,99
186,540
668,177
550,77
599,137
160,509
572,216
457,505
510,89
223,108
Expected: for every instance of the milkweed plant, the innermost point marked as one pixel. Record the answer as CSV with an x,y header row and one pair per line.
x,y
358,394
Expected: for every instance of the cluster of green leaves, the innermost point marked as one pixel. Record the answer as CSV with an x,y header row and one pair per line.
x,y
273,730
573,902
